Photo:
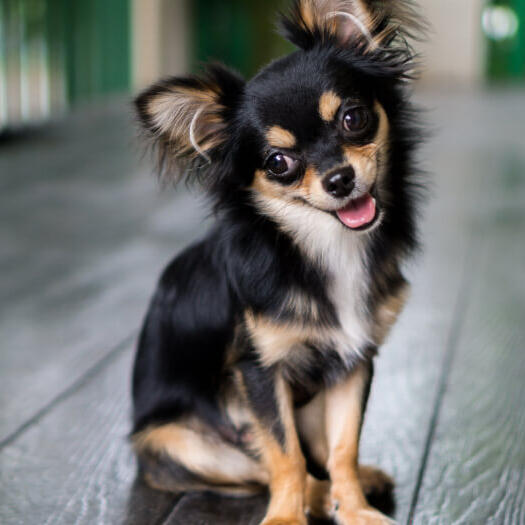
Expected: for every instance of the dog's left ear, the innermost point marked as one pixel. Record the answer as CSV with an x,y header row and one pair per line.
x,y
189,117
376,23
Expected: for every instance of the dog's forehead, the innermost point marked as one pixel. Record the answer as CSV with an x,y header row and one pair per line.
x,y
293,107
299,94
287,99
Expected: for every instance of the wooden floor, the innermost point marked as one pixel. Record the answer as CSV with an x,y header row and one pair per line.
x,y
83,234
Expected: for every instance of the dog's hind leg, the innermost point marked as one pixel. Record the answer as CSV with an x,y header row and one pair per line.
x,y
180,457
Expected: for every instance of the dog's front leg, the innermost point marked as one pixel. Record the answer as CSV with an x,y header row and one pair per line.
x,y
344,415
270,399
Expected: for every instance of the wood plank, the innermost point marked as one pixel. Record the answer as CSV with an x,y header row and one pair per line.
x,y
60,188
204,508
410,366
199,509
476,466
76,466
83,236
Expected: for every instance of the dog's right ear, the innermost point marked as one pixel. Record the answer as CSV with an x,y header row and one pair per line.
x,y
189,117
376,23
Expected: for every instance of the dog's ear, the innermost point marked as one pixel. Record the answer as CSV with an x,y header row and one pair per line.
x,y
375,23
189,117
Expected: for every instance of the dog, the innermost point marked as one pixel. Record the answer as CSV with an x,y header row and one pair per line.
x,y
255,360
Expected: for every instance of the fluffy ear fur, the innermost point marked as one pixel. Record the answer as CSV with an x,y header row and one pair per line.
x,y
188,117
374,23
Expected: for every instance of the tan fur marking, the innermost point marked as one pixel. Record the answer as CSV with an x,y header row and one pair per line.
x,y
273,341
286,467
302,306
315,14
343,419
265,187
308,420
388,312
381,138
278,137
287,485
363,13
278,341
311,188
399,16
329,104
365,159
178,105
200,452
309,178
233,401
308,14
173,112
318,498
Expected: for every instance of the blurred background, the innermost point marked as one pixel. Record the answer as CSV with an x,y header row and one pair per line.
x,y
55,54
85,232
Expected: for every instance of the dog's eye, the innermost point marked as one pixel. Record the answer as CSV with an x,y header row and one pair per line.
x,y
356,120
280,164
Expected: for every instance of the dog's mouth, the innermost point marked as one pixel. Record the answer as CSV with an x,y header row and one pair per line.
x,y
359,214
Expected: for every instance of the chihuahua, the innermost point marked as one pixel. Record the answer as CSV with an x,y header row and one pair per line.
x,y
255,359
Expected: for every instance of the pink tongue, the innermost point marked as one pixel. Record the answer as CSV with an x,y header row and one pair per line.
x,y
359,212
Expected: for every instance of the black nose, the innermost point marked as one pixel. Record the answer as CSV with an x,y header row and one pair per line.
x,y
341,183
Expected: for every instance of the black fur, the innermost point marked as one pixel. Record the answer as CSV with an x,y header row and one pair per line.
x,y
259,384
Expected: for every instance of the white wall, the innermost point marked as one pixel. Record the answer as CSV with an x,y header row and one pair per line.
x,y
161,39
455,52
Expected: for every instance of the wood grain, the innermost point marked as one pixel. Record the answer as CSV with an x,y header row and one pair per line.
x,y
76,466
410,366
476,468
83,237
200,509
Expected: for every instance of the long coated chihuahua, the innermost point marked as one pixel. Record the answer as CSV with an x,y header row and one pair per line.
x,y
255,360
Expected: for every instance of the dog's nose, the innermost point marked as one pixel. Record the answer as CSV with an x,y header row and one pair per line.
x,y
341,183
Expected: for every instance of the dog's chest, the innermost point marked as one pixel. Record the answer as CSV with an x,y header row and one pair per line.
x,y
331,352
348,283
341,256
334,322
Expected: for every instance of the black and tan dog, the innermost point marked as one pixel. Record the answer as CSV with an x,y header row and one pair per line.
x,y
255,360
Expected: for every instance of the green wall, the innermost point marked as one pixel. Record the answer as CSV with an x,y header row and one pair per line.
x,y
240,33
96,39
506,58
54,53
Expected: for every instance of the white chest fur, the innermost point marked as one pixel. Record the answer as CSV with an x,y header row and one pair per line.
x,y
341,253
345,263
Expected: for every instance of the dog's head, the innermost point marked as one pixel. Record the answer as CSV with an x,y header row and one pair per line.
x,y
316,130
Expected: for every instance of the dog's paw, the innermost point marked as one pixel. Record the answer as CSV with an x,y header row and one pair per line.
x,y
374,481
367,516
284,521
